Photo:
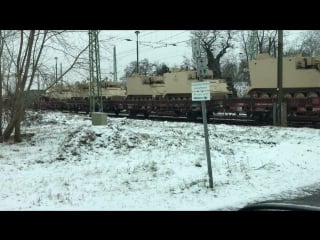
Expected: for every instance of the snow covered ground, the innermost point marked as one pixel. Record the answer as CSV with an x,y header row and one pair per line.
x,y
65,163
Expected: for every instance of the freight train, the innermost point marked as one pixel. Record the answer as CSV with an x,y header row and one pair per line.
x,y
170,94
142,94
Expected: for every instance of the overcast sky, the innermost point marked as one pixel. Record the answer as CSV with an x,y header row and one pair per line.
x,y
161,46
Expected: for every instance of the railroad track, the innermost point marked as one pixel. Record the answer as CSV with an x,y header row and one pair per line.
x,y
244,121
212,120
232,120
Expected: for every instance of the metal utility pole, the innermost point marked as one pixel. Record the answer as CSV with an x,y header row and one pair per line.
x,y
137,68
115,77
1,81
38,81
280,74
253,45
61,74
56,69
95,73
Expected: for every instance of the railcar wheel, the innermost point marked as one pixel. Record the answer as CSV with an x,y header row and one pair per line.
x,y
312,94
287,96
299,95
264,95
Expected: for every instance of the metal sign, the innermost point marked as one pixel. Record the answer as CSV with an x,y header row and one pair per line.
x,y
203,62
196,48
202,66
200,91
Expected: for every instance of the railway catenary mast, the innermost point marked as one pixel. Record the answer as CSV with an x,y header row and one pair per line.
x,y
95,73
280,116
115,76
253,45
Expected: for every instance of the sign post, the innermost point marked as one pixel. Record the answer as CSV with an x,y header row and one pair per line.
x,y
201,92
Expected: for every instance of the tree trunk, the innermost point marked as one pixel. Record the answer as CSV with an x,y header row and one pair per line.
x,y
9,128
20,116
1,81
17,131
1,106
213,65
16,119
12,123
1,102
217,69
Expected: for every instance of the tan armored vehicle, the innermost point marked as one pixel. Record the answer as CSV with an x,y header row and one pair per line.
x,y
145,87
112,90
61,92
301,76
175,85
179,85
109,90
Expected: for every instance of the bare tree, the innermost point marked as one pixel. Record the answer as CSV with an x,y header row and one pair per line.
x,y
229,72
245,43
215,44
27,61
5,64
292,51
249,47
253,42
146,68
267,41
161,69
311,43
242,79
188,63
130,69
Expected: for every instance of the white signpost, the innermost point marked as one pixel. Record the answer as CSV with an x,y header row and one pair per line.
x,y
200,91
